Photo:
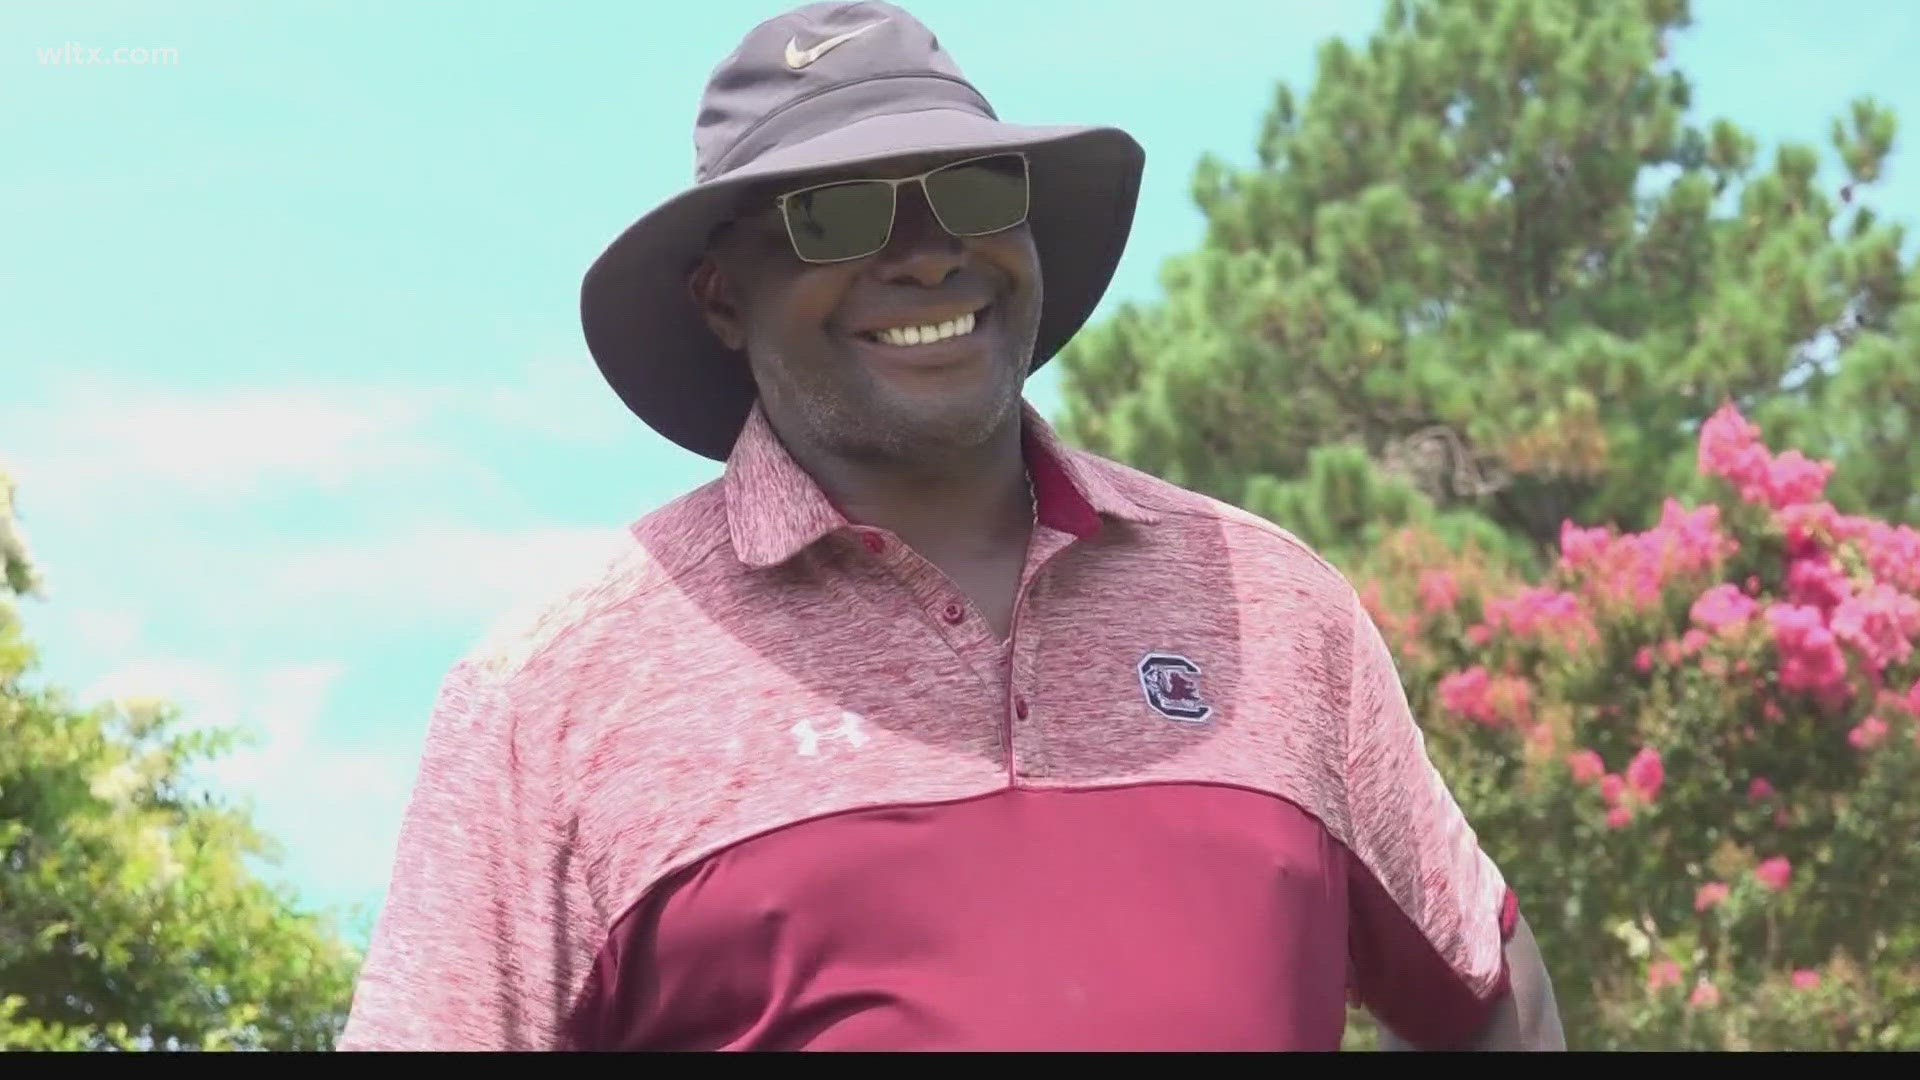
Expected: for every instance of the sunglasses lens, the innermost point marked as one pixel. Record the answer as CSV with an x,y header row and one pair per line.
x,y
840,221
974,198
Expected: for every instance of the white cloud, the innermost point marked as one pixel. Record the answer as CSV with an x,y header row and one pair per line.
x,y
333,810
276,708
87,444
447,573
221,443
105,631
560,398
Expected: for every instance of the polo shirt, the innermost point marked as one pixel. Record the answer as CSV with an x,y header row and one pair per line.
x,y
767,781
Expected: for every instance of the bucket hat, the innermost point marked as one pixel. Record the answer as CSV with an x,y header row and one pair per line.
x,y
823,87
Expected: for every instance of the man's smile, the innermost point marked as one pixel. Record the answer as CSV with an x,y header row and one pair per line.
x,y
924,333
923,342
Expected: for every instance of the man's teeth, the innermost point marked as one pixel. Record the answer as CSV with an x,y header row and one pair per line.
x,y
923,335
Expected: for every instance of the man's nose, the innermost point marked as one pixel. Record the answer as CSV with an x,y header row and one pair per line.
x,y
919,249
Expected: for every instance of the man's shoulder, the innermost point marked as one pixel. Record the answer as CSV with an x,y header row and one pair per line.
x,y
1255,543
634,562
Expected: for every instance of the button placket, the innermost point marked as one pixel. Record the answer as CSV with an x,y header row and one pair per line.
x,y
883,593
1025,716
943,611
1030,757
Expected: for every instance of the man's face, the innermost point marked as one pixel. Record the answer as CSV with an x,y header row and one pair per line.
x,y
816,335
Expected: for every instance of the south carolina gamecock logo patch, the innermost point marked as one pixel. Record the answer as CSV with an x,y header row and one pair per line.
x,y
1172,686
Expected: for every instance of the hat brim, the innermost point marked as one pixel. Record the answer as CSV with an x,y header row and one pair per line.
x,y
653,346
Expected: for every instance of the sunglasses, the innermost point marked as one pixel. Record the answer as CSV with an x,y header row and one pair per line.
x,y
851,219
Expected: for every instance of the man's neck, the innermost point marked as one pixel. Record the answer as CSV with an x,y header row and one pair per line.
x,y
963,501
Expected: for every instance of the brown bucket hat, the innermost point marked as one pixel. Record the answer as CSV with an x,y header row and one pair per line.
x,y
823,87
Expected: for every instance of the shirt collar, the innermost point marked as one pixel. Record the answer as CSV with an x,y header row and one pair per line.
x,y
775,509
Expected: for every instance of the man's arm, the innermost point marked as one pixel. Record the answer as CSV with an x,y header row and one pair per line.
x,y
1528,1018
486,932
1439,953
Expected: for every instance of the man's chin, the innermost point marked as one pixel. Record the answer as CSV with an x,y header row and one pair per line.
x,y
914,424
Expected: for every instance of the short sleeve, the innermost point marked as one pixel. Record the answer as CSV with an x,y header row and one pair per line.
x,y
486,933
1430,913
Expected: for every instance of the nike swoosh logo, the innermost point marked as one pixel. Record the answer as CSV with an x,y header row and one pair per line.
x,y
798,58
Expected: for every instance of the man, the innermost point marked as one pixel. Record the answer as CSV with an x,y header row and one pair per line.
x,y
920,730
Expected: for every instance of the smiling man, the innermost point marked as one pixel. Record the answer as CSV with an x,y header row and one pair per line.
x,y
918,729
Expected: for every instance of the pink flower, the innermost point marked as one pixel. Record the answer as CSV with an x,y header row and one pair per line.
x,y
1612,787
1464,693
1810,658
1635,567
1662,974
1817,582
1879,622
1730,448
1646,773
1643,660
1775,874
1541,613
1794,480
1812,528
1723,607
1760,790
1868,734
1619,817
1690,540
1439,591
1478,635
1582,547
1705,996
1892,552
1485,699
1586,767
1806,979
1710,896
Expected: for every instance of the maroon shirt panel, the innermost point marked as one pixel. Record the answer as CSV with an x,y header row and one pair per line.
x,y
1155,917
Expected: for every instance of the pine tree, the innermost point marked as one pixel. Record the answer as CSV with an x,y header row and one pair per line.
x,y
1490,277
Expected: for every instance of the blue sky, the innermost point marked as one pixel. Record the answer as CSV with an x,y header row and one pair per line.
x,y
290,370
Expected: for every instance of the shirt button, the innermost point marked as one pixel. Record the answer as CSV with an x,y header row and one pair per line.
x,y
1020,707
953,614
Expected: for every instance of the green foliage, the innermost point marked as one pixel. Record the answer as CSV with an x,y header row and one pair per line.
x,y
1490,254
130,917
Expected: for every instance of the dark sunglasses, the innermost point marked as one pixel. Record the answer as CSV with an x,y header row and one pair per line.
x,y
851,219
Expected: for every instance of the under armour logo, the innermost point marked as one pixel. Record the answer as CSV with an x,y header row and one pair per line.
x,y
809,737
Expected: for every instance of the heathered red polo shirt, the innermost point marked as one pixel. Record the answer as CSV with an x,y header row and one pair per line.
x,y
768,781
